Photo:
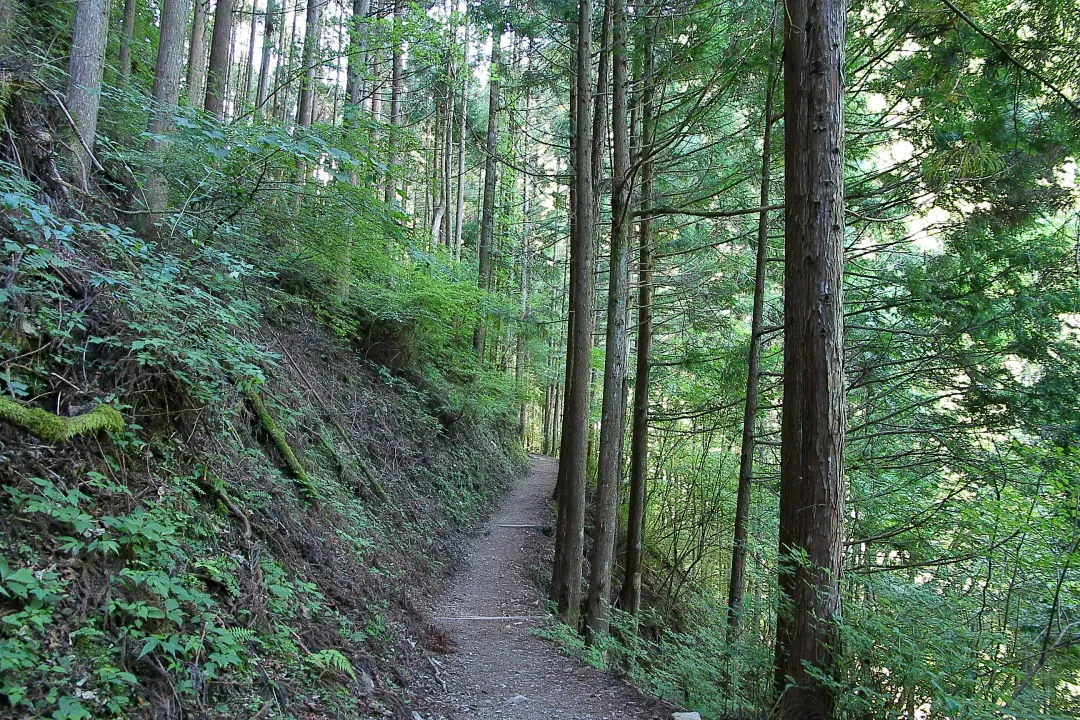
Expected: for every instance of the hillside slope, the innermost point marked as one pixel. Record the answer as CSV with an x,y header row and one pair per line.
x,y
285,481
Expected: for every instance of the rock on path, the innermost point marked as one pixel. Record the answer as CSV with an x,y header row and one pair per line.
x,y
500,670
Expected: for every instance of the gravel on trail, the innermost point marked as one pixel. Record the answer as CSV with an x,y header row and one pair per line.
x,y
497,668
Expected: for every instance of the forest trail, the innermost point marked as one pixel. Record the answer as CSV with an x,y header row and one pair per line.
x,y
499,669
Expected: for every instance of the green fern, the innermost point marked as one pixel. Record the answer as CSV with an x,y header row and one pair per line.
x,y
331,659
241,634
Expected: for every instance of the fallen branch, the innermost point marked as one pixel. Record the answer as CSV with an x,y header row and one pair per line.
x,y
55,428
330,414
280,442
216,491
438,675
71,122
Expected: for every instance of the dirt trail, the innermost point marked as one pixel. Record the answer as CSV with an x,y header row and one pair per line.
x,y
499,669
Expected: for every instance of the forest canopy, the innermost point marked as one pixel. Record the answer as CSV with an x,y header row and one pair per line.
x,y
791,288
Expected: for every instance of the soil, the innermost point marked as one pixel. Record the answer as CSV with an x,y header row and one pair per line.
x,y
492,666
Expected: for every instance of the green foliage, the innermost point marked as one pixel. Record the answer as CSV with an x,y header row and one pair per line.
x,y
331,659
696,668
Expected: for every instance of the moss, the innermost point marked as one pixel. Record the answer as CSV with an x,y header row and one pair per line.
x,y
278,436
56,429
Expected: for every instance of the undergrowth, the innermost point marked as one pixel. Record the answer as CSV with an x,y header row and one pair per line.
x,y
181,564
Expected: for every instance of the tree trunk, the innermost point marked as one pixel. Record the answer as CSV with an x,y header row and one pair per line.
x,y
305,108
196,64
812,425
737,578
639,431
459,218
438,151
85,70
491,150
571,287
217,74
447,162
357,63
166,92
249,71
396,80
566,580
613,405
7,24
127,32
263,89
285,70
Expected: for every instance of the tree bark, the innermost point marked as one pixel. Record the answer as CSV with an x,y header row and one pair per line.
x,y
397,74
491,150
613,405
262,89
639,430
196,64
357,63
463,118
85,70
566,580
305,107
571,283
217,73
127,33
445,185
737,578
812,425
166,92
249,71
284,69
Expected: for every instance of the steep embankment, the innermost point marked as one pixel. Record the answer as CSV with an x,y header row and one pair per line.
x,y
255,509
187,570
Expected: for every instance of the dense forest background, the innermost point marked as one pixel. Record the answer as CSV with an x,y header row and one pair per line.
x,y
316,270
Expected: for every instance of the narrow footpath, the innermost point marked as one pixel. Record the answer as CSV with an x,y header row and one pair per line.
x,y
499,669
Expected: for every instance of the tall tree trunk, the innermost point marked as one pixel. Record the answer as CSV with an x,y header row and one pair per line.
x,y
437,153
305,107
572,212
376,87
737,578
196,64
249,71
491,150
7,24
566,580
85,70
166,92
127,33
263,89
639,430
600,114
463,119
286,69
397,74
358,36
812,425
231,72
525,281
447,161
217,73
613,405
